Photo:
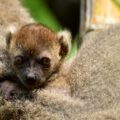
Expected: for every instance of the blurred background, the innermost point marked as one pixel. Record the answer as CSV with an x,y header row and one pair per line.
x,y
79,16
57,14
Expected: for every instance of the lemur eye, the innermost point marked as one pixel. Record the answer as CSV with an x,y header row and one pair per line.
x,y
45,62
18,60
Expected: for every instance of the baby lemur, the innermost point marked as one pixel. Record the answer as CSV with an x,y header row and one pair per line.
x,y
13,15
37,54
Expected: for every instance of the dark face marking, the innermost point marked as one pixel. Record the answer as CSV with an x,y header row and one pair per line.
x,y
32,71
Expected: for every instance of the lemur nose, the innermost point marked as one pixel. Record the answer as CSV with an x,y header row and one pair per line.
x,y
31,79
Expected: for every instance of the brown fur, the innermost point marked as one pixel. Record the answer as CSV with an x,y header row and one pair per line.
x,y
33,37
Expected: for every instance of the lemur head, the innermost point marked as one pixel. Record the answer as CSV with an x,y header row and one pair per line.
x,y
37,52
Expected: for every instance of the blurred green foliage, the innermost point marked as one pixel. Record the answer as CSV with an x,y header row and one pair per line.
x,y
41,13
117,2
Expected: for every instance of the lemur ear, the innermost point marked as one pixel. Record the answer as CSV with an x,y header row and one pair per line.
x,y
10,30
64,38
